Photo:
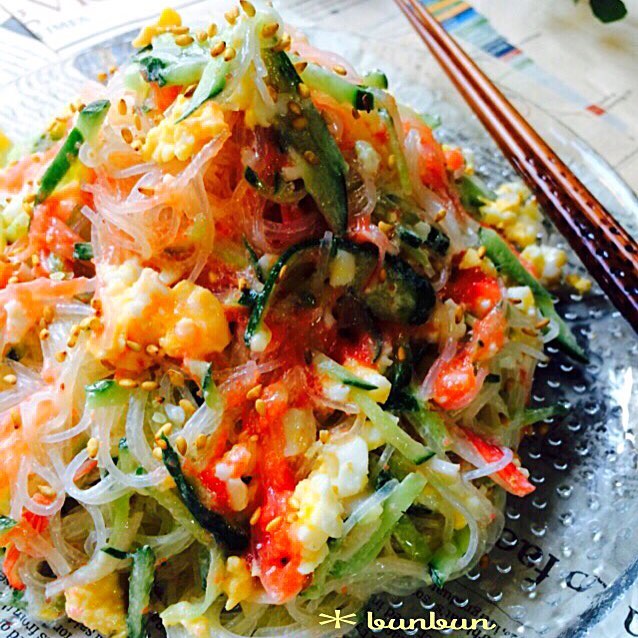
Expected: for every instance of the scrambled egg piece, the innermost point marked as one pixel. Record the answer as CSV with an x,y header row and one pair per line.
x,y
338,391
523,298
341,472
514,211
185,320
99,606
548,262
238,583
172,140
168,18
582,285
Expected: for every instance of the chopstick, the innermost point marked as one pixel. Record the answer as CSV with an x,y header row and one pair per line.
x,y
606,249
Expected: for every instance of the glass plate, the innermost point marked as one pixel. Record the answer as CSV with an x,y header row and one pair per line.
x,y
569,552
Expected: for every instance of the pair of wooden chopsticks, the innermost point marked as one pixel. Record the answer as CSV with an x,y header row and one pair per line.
x,y
604,246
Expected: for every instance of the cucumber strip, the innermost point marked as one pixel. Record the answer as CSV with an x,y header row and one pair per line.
x,y
375,79
211,84
307,139
263,300
212,396
88,123
254,261
282,193
474,192
437,240
447,556
389,427
530,416
507,262
330,367
115,553
411,541
404,296
232,537
393,509
105,393
139,591
170,501
341,90
397,151
428,423
82,251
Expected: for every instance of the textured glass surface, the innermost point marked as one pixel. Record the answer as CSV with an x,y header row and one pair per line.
x,y
570,550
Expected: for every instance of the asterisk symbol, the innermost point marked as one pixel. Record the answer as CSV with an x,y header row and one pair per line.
x,y
337,619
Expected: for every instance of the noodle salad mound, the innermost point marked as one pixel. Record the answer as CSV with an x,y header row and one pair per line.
x,y
267,345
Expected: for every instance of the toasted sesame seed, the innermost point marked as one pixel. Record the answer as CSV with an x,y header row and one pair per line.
x,y
184,40
101,76
293,107
137,120
284,43
47,490
218,49
126,134
85,323
392,160
202,36
44,334
162,444
157,453
92,447
136,145
383,275
229,54
112,69
303,90
254,438
187,406
355,113
254,392
60,356
232,15
543,323
339,70
96,303
254,519
76,329
152,350
133,345
48,314
176,377
200,441
270,29
273,524
481,252
149,386
260,406
301,66
212,30
310,157
515,300
401,354
16,417
324,435
10,379
122,107
126,382
165,430
300,123
440,216
181,445
529,332
248,7
95,324
72,342
29,199
272,91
